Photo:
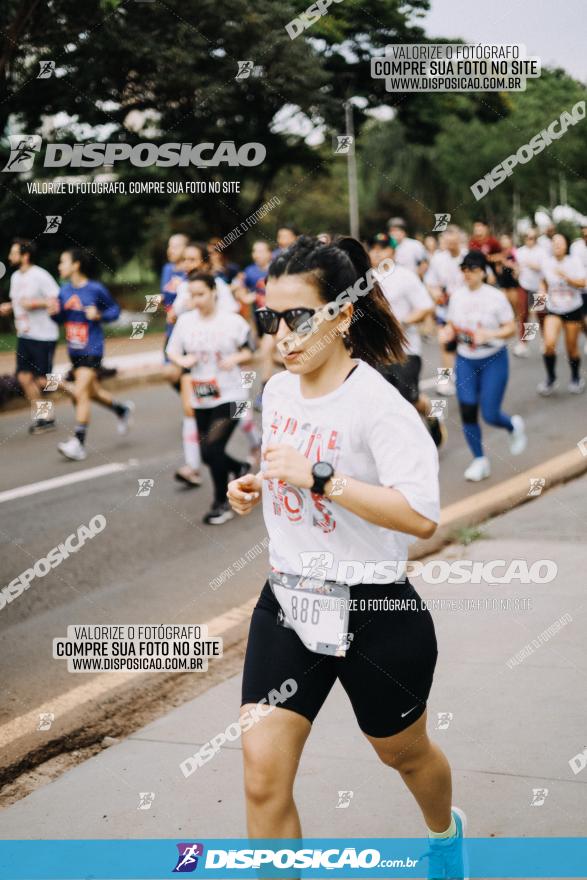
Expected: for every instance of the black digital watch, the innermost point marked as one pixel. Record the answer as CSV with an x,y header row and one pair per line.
x,y
322,471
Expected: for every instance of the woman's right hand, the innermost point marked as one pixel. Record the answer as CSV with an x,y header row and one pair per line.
x,y
244,493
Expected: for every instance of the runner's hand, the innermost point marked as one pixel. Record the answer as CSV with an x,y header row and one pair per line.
x,y
243,494
228,362
53,306
283,462
92,313
5,308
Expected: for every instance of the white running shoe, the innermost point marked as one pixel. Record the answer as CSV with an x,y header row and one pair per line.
x,y
446,390
124,421
546,388
518,438
72,449
576,386
478,470
521,350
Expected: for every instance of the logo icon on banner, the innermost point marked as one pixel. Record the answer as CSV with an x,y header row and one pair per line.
x,y
344,799
145,487
537,484
530,331
138,329
247,378
187,860
539,795
153,301
441,221
53,222
444,719
46,69
146,799
315,565
437,408
343,143
22,151
241,408
46,719
444,375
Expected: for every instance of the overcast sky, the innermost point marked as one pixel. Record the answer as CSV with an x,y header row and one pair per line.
x,y
553,30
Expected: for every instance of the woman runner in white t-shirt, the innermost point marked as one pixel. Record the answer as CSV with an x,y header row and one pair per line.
x,y
213,344
563,281
349,475
480,319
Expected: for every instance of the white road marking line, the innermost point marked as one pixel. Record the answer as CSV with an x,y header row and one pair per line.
x,y
64,480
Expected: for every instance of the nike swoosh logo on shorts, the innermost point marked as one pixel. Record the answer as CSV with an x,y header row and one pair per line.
x,y
409,710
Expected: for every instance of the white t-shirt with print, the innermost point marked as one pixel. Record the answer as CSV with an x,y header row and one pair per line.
x,y
561,296
405,294
470,310
212,339
527,258
35,283
366,430
224,298
410,253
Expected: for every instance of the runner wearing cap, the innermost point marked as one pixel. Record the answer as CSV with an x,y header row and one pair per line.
x,y
349,473
480,318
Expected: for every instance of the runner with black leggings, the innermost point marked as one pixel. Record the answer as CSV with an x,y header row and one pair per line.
x,y
212,344
349,475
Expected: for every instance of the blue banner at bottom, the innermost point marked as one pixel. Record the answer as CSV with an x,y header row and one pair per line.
x,y
364,857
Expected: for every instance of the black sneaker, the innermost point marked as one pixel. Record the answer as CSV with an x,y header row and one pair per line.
x,y
437,430
41,426
218,515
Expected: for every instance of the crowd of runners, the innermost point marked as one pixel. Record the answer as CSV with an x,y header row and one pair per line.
x,y
345,461
470,295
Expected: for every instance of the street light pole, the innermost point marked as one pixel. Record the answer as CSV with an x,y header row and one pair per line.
x,y
352,172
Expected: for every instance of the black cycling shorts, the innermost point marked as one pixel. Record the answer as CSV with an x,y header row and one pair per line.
x,y
574,316
92,361
387,672
34,356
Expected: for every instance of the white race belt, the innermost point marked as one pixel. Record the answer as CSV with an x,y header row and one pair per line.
x,y
317,610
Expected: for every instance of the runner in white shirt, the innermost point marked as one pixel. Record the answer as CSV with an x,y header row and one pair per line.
x,y
189,472
409,252
530,259
563,282
579,250
213,345
349,475
443,277
32,290
411,304
480,319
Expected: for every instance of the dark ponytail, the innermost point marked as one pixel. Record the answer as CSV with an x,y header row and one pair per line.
x,y
376,337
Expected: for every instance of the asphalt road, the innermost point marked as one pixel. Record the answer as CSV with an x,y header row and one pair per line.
x,y
154,560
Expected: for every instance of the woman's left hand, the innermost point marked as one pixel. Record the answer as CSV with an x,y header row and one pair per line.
x,y
283,462
481,336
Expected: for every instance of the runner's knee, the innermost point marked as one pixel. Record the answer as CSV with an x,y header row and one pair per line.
x,y
469,413
264,779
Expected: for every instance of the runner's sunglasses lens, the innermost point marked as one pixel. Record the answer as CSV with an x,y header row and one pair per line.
x,y
294,318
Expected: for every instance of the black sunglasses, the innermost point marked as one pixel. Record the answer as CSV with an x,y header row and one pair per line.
x,y
294,318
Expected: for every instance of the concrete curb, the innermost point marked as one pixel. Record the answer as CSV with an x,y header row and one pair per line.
x,y
500,498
